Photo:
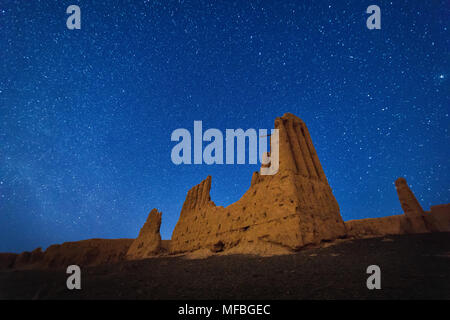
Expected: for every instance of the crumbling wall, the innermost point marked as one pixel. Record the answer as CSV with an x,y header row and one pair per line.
x,y
83,253
438,218
413,220
279,213
291,209
376,227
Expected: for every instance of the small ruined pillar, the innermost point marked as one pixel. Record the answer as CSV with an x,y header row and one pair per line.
x,y
148,242
411,207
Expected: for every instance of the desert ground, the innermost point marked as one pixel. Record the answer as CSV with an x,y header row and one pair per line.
x,y
412,267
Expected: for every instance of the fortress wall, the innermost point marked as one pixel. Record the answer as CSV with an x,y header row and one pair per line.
x,y
291,209
82,253
438,218
371,227
86,252
279,213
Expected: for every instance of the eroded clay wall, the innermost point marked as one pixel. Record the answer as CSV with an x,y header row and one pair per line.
x,y
82,253
376,226
291,209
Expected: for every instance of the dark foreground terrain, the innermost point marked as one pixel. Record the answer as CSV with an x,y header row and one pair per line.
x,y
412,267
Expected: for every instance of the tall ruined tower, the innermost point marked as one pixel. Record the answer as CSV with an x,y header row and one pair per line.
x,y
291,209
297,152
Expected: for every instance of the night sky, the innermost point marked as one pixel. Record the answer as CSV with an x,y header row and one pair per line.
x,y
86,115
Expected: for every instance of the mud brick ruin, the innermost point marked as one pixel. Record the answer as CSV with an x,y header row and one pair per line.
x,y
279,214
291,209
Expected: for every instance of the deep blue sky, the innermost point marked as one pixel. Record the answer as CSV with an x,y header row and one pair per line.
x,y
86,115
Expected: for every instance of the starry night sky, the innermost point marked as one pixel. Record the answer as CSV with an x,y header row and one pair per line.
x,y
86,115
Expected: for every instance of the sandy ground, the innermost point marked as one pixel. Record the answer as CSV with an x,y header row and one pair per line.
x,y
412,267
